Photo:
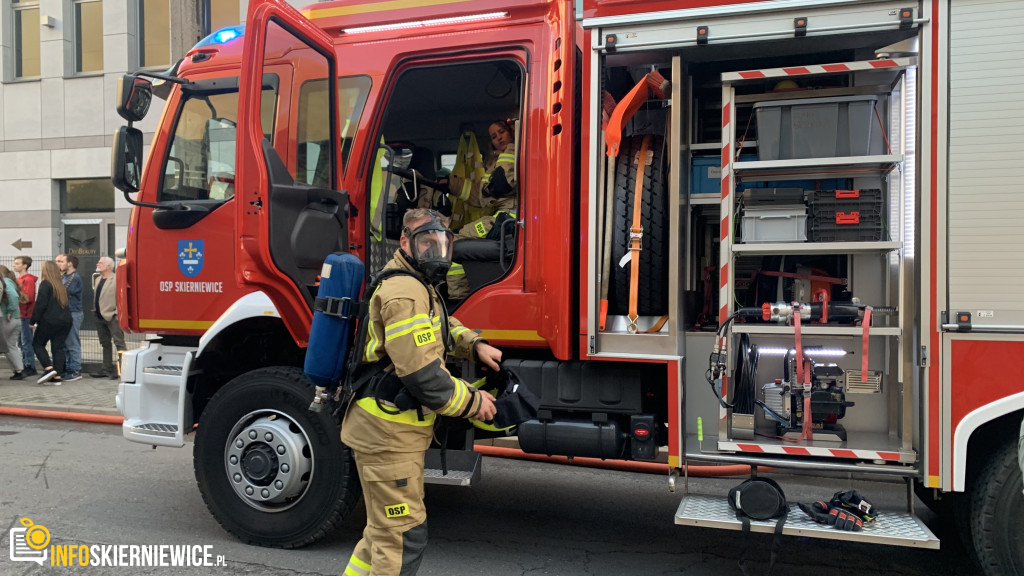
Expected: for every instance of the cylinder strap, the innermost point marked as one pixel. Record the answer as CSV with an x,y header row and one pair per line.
x,y
636,234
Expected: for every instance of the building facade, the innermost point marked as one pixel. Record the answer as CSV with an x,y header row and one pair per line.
x,y
60,61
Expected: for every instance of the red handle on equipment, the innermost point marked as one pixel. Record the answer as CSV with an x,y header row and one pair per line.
x,y
847,218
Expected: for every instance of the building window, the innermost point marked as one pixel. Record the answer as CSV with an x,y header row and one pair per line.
x,y
91,195
221,14
26,39
154,33
88,36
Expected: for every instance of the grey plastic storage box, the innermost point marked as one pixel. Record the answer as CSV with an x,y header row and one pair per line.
x,y
775,224
814,127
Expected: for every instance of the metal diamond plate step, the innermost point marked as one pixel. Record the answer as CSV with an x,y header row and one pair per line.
x,y
894,528
463,467
168,430
169,370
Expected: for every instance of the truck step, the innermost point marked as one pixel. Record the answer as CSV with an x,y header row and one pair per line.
x,y
463,467
155,429
893,528
167,370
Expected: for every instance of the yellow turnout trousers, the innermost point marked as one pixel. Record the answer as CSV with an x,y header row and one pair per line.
x,y
396,519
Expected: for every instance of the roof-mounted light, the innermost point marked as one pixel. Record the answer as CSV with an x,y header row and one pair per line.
x,y
427,23
222,36
225,35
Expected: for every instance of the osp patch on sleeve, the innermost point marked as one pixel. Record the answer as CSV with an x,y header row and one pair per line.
x,y
481,229
396,510
424,337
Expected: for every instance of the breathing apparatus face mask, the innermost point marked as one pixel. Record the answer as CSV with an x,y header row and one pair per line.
x,y
430,247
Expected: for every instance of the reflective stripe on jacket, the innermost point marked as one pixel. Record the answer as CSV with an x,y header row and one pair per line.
x,y
402,329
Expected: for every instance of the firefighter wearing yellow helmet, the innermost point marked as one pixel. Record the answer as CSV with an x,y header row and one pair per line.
x,y
389,424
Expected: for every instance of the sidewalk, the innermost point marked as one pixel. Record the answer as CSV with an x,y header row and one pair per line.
x,y
84,396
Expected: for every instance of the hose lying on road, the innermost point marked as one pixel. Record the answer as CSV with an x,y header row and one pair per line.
x,y
31,413
497,451
625,465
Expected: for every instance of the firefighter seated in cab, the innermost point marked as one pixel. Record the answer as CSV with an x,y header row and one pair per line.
x,y
485,191
390,422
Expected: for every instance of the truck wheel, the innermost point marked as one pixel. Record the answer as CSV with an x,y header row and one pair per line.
x,y
997,506
652,291
270,471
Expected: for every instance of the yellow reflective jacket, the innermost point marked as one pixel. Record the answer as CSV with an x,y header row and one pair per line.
x,y
400,328
506,160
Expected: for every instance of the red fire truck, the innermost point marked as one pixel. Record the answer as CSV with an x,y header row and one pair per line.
x,y
772,233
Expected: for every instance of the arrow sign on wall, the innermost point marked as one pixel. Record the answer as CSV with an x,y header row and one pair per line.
x,y
19,244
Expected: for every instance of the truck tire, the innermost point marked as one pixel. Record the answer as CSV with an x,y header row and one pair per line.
x,y
270,471
652,291
997,506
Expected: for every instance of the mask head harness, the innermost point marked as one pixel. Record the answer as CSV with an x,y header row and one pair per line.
x,y
430,247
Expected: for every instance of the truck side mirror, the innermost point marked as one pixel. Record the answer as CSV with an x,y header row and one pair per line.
x,y
126,159
134,95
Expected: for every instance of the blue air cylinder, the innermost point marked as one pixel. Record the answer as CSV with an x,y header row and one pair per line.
x,y
334,311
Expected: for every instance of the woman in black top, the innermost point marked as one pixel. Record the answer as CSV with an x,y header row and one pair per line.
x,y
52,322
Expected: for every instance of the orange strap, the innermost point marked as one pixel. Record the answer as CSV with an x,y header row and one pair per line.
x,y
636,234
657,325
864,341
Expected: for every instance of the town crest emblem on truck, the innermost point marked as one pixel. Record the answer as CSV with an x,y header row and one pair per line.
x,y
190,257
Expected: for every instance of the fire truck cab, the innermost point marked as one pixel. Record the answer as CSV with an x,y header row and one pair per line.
x,y
761,233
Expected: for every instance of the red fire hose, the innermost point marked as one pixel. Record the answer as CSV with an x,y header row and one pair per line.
x,y
31,413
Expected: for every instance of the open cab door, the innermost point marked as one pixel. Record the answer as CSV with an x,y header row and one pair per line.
x,y
290,215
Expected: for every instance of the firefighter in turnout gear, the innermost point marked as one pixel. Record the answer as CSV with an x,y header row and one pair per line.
x,y
389,423
496,198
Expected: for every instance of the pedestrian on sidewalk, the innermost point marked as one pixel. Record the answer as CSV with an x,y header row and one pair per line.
x,y
27,282
52,321
10,321
68,265
105,307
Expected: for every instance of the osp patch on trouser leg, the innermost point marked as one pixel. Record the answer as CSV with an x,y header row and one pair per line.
x,y
396,530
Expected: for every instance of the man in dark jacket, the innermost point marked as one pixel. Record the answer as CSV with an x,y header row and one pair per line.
x,y
73,284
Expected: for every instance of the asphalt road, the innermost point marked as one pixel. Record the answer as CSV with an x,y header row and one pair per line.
x,y
87,485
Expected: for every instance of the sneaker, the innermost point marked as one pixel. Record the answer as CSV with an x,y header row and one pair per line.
x,y
30,371
71,376
47,377
100,374
18,375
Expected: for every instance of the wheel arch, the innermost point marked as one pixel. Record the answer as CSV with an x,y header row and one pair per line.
x,y
988,426
248,336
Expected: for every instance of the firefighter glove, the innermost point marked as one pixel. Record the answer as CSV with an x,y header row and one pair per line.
x,y
498,187
851,501
823,513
